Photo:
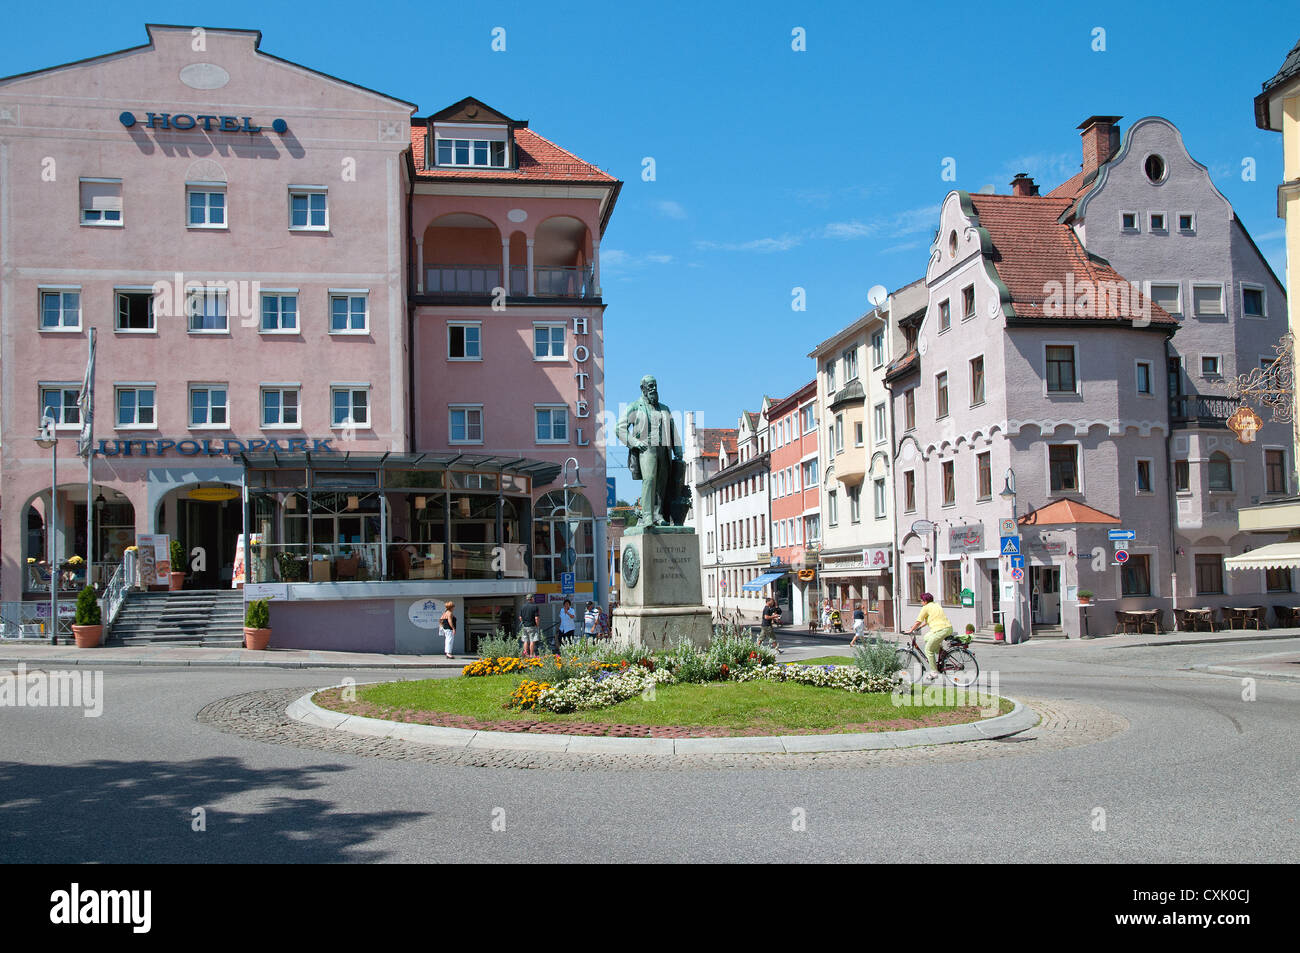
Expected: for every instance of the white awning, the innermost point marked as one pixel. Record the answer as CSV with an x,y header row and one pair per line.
x,y
1273,556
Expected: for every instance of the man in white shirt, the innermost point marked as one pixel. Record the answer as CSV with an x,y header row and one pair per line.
x,y
567,621
591,621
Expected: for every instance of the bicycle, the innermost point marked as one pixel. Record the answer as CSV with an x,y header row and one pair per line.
x,y
956,662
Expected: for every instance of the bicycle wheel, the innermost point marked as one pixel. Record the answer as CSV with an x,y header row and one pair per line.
x,y
910,665
960,668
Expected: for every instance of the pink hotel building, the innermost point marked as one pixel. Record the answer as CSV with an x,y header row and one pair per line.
x,y
372,341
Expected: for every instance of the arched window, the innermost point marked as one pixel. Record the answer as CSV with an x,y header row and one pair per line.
x,y
1220,471
564,537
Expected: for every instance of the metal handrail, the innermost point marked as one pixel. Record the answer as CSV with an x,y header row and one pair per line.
x,y
114,596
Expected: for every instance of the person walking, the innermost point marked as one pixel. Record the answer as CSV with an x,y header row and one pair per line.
x,y
859,624
568,622
591,622
771,616
447,623
529,627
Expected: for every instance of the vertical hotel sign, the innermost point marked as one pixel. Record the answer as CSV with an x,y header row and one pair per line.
x,y
581,355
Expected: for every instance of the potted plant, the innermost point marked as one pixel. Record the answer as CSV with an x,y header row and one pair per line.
x,y
257,625
87,625
176,578
999,632
292,567
1085,597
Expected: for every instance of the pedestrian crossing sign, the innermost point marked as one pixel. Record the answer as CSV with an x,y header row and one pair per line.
x,y
1010,545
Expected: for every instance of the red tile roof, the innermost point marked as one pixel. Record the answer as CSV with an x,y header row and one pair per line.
x,y
1071,188
1065,513
711,439
539,160
1031,250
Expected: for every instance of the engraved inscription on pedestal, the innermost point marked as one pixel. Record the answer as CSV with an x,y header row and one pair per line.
x,y
662,570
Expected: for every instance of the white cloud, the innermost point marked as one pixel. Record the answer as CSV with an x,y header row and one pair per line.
x,y
670,209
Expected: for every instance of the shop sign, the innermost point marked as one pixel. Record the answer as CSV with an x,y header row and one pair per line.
x,y
185,121
968,599
966,539
212,448
1052,547
154,560
213,494
425,613
266,590
875,558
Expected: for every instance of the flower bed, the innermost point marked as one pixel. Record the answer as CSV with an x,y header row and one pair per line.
x,y
846,677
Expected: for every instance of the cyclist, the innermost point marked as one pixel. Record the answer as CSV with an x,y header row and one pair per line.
x,y
940,629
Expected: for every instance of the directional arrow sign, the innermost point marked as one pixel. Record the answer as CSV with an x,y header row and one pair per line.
x,y
1121,534
1010,545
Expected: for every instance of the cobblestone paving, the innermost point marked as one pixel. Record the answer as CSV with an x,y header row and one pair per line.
x,y
261,716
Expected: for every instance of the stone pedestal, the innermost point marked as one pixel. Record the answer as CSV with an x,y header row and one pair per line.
x,y
662,596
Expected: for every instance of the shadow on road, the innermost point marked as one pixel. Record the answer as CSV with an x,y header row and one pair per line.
x,y
141,811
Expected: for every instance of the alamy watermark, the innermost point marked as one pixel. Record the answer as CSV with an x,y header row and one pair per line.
x,y
1085,298
23,689
982,693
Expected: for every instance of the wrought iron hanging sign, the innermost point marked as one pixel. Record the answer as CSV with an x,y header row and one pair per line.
x,y
1271,387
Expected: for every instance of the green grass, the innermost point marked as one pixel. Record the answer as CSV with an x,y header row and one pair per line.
x,y
775,707
822,660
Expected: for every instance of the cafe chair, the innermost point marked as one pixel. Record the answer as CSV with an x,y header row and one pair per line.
x,y
1124,623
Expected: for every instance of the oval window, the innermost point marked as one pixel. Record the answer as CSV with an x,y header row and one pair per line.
x,y
952,244
1155,169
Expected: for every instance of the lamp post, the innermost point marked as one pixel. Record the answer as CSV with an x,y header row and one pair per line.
x,y
569,533
48,440
1018,625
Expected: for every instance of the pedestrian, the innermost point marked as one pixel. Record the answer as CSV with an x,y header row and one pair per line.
x,y
568,622
859,624
529,624
771,616
447,622
826,614
591,622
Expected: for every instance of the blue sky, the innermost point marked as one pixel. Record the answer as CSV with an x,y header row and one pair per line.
x,y
775,169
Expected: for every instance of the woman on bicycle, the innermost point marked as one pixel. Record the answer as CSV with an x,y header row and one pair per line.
x,y
940,629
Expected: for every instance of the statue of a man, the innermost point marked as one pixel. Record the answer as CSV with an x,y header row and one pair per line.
x,y
654,454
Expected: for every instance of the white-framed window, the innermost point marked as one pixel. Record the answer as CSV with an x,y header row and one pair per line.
x,y
968,302
465,423
909,491
948,478
280,405
855,503
1275,471
1159,223
1187,222
349,405
984,476
878,421
484,153
134,310
206,308
349,311
1219,476
977,380
60,309
209,406
839,433
1254,303
830,376
551,423
832,508
945,315
1128,222
134,404
280,311
850,358
877,349
548,341
465,341
1143,380
857,433
1061,368
1207,300
101,202
1143,481
941,395
1212,365
1063,470
59,400
205,204
1167,295
808,418
308,208
809,468
878,487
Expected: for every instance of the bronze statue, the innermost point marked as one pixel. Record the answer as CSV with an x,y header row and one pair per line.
x,y
654,456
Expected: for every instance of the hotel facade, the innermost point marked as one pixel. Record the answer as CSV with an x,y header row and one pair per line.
x,y
373,342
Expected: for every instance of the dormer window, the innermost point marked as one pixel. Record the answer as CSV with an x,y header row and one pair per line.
x,y
483,153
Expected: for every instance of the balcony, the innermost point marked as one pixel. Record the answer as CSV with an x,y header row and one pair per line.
x,y
1192,411
548,282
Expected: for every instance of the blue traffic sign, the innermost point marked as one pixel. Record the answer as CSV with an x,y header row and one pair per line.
x,y
1017,562
566,584
1122,534
611,495
1010,545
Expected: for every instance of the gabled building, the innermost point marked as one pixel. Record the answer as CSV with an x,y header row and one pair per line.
x,y
796,504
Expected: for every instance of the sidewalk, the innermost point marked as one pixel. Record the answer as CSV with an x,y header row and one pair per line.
x,y
49,656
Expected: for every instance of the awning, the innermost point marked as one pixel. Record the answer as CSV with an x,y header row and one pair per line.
x,y
759,582
1285,555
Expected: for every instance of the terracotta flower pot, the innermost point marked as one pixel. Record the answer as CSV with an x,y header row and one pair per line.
x,y
175,581
256,639
999,636
87,636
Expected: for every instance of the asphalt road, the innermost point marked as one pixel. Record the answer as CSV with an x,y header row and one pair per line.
x,y
1199,775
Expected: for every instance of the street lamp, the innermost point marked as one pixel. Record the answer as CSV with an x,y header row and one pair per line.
x,y
48,439
1008,493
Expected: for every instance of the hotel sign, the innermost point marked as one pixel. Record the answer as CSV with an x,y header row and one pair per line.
x,y
185,121
212,448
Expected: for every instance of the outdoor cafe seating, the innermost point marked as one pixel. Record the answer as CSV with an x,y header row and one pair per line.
x,y
1288,617
1243,617
1138,620
1192,620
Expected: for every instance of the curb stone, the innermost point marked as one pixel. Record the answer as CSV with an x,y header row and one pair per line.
x,y
1021,718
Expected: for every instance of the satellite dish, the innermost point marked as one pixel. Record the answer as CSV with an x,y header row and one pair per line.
x,y
878,295
986,190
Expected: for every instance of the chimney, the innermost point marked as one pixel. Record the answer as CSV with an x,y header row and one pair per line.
x,y
1022,184
1100,140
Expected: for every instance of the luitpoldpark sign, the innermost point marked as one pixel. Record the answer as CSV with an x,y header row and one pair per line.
x,y
211,448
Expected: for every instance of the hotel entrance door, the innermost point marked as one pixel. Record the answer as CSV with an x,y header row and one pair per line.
x,y
214,528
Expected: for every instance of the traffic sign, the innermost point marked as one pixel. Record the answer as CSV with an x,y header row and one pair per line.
x,y
1017,562
1121,534
1010,545
566,583
1018,575
1121,556
1008,528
